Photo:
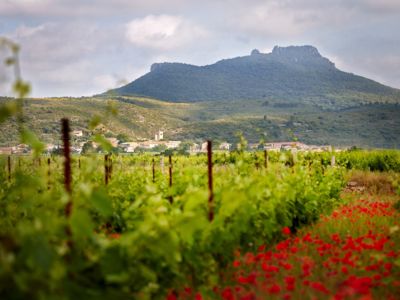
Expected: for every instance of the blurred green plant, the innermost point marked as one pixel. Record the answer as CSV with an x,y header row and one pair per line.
x,y
21,89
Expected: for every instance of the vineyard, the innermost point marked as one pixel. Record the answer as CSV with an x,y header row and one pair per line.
x,y
199,182
239,225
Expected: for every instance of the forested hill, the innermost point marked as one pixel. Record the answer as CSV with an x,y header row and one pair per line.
x,y
295,73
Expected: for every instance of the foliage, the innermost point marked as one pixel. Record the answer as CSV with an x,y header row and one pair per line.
x,y
128,240
140,118
159,244
374,160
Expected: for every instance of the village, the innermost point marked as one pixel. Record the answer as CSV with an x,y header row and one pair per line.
x,y
81,144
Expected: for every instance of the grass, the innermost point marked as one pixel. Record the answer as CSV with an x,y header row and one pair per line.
x,y
378,183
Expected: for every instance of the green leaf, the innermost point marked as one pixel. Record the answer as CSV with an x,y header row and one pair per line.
x,y
94,122
104,143
113,265
7,110
9,61
112,108
30,138
21,88
38,251
81,224
102,202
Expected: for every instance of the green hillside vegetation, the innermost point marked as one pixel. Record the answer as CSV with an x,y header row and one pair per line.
x,y
296,74
136,121
366,126
369,125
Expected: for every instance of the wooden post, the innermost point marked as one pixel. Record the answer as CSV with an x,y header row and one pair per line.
x,y
265,158
9,168
256,163
110,167
79,163
162,164
106,169
333,161
154,171
210,182
67,164
65,129
170,170
171,200
48,173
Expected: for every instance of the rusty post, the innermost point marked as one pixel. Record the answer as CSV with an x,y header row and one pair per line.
x,y
48,173
67,164
106,169
9,167
210,182
154,171
171,200
110,167
265,159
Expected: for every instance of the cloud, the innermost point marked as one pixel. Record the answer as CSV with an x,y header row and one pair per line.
x,y
63,56
77,58
79,47
25,31
381,6
86,8
273,19
162,32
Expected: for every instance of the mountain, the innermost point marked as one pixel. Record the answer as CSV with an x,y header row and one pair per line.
x,y
295,73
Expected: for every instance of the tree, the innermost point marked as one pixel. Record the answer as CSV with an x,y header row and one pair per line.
x,y
122,138
242,142
159,148
184,148
88,147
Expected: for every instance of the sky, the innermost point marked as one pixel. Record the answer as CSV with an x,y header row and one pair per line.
x,y
85,47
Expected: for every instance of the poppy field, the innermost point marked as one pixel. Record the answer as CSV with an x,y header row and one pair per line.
x,y
350,254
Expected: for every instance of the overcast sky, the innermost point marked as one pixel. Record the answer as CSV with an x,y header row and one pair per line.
x,y
84,47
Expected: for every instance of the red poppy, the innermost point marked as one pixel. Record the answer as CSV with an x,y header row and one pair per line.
x,y
286,230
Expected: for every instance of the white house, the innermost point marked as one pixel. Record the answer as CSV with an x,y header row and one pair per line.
x,y
129,147
159,136
149,144
77,133
194,148
21,148
203,147
51,147
113,141
172,144
6,150
225,146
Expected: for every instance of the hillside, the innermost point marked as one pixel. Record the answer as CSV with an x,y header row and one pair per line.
x,y
136,119
371,125
295,74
